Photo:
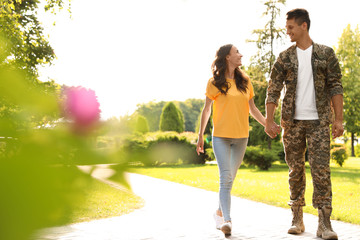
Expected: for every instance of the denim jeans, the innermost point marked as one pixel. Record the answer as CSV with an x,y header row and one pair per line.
x,y
229,154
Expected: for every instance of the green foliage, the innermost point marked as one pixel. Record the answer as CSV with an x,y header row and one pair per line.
x,y
348,53
190,109
40,183
339,155
152,112
142,125
255,156
158,148
210,152
171,118
268,36
209,125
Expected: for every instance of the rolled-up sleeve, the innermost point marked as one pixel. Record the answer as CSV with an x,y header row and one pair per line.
x,y
211,91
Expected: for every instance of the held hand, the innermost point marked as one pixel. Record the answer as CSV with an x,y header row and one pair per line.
x,y
200,145
337,129
272,129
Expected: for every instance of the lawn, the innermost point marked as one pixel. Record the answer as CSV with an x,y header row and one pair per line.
x,y
103,201
271,186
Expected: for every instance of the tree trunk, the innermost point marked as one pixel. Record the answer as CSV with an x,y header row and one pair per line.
x,y
352,144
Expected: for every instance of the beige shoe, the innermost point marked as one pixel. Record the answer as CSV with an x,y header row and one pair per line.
x,y
226,228
297,225
325,230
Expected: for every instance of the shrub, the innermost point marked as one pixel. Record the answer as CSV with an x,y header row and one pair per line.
x,y
171,118
278,149
161,148
141,125
255,156
339,155
357,150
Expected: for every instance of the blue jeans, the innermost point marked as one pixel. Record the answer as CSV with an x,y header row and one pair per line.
x,y
229,154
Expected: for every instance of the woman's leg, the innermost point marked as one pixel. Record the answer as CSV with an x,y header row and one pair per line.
x,y
229,154
238,148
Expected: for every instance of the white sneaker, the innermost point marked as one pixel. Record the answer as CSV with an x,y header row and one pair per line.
x,y
226,228
218,221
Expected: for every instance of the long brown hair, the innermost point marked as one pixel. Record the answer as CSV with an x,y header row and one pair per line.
x,y
219,67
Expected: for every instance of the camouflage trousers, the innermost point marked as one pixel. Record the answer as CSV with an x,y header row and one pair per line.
x,y
316,137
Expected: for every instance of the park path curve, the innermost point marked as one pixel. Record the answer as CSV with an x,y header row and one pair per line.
x,y
176,211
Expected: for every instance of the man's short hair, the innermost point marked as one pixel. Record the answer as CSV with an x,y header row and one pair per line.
x,y
300,15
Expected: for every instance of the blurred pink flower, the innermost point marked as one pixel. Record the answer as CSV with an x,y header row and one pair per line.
x,y
82,106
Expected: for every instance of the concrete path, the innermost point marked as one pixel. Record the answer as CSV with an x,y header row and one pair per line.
x,y
175,211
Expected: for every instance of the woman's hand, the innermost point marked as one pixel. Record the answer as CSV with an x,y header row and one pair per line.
x,y
200,145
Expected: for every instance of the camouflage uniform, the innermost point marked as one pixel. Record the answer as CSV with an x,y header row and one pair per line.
x,y
327,75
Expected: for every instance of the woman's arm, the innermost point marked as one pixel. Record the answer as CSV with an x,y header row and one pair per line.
x,y
255,112
205,115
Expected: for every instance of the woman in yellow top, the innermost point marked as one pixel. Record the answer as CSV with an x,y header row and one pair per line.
x,y
232,93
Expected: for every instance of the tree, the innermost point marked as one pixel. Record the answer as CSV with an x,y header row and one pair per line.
x,y
171,118
266,40
348,53
142,125
151,111
190,108
24,46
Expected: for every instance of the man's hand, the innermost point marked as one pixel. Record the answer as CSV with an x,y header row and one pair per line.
x,y
337,129
272,129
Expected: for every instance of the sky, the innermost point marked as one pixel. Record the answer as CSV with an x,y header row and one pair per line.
x,y
136,51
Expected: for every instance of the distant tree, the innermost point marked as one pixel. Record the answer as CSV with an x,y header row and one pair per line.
x,y
151,111
257,76
209,125
267,38
348,53
191,109
171,118
142,125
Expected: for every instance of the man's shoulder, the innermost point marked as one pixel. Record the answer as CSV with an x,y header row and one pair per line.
x,y
289,51
322,50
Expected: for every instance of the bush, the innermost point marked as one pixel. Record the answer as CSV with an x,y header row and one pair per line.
x,y
171,119
255,156
141,125
339,155
357,150
161,148
278,149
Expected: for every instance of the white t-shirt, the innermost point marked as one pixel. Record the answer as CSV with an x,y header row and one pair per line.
x,y
305,104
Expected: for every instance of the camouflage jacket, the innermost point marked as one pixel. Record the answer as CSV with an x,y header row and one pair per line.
x,y
327,81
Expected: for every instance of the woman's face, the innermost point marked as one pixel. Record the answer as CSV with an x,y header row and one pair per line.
x,y
234,57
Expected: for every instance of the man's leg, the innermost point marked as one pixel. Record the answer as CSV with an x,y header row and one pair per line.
x,y
319,158
294,145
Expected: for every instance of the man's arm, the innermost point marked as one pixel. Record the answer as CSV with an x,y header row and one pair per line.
x,y
276,84
336,92
337,126
271,128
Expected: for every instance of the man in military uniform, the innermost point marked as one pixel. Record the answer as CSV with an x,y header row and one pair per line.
x,y
311,75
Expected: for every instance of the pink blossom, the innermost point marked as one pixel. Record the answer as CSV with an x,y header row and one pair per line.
x,y
82,106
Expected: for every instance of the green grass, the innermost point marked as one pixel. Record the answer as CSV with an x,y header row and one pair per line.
x,y
271,186
103,201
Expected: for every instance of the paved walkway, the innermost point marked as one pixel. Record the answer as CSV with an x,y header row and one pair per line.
x,y
175,211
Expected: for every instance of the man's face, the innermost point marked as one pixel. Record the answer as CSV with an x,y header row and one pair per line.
x,y
294,30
